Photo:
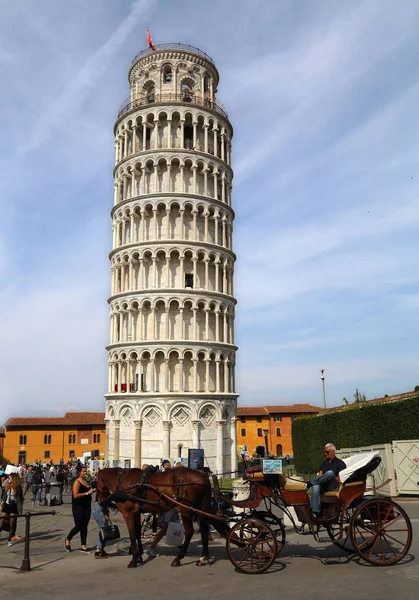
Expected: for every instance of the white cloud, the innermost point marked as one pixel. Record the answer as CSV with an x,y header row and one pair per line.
x,y
86,79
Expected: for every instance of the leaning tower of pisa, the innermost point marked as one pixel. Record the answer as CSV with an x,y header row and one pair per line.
x,y
171,351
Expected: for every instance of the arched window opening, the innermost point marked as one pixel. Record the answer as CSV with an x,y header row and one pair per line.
x,y
279,449
278,431
150,93
96,438
22,440
47,438
206,84
187,92
72,438
167,74
188,137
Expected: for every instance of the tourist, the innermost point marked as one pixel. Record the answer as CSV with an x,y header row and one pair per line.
x,y
165,465
171,516
327,477
101,516
11,504
29,475
81,503
37,482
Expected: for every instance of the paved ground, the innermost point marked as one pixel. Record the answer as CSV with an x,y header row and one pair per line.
x,y
304,569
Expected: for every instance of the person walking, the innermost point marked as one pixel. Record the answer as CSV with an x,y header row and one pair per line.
x,y
37,481
11,504
100,514
81,504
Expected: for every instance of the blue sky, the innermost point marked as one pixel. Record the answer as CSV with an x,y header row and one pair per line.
x,y
323,97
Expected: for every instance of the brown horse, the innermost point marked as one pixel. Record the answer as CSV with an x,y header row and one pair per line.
x,y
189,487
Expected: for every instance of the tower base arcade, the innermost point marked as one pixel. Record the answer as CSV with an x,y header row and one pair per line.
x,y
146,430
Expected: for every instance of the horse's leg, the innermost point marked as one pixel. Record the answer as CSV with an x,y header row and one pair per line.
x,y
129,517
137,518
187,524
204,559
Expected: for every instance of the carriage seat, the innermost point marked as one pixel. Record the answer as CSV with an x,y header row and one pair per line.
x,y
294,486
334,495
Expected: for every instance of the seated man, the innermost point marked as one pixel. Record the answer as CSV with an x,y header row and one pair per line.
x,y
329,472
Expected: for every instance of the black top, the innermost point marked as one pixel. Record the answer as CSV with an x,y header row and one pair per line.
x,y
84,500
336,465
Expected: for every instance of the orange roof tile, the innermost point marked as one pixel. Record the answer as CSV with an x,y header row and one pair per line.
x,y
269,410
75,418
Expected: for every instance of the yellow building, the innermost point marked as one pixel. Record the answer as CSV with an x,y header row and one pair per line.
x,y
54,438
266,430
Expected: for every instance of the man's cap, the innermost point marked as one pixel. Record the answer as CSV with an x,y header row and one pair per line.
x,y
166,462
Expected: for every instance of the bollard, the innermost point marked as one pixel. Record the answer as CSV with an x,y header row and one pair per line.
x,y
26,563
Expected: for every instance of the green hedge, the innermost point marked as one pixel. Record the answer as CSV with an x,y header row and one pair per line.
x,y
357,425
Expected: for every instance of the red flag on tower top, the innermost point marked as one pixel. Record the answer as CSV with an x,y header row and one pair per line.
x,y
150,40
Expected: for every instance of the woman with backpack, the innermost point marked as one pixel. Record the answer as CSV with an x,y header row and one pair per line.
x,y
11,504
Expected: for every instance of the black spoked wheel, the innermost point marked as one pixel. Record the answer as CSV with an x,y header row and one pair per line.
x,y
381,531
251,546
344,541
276,524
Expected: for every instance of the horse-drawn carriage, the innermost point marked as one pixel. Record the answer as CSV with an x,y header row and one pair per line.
x,y
374,527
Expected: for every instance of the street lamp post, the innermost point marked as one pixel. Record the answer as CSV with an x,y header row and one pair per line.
x,y
265,433
324,390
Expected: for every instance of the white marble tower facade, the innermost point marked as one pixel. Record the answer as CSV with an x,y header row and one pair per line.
x,y
171,350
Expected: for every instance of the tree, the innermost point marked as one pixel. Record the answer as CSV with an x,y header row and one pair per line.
x,y
416,388
359,397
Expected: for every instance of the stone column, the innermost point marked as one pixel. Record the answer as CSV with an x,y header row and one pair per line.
x,y
182,272
215,131
137,451
134,139
217,375
206,310
144,135
206,138
206,216
195,375
220,448
182,179
181,387
166,439
207,374
195,434
194,324
167,324
169,133
194,135
181,225
194,186
233,436
226,387
166,375
205,183
206,282
106,439
117,425
182,134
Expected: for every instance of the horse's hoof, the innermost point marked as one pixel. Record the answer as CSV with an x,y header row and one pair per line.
x,y
175,562
132,564
202,561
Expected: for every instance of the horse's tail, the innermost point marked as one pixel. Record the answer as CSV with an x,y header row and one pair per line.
x,y
207,507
